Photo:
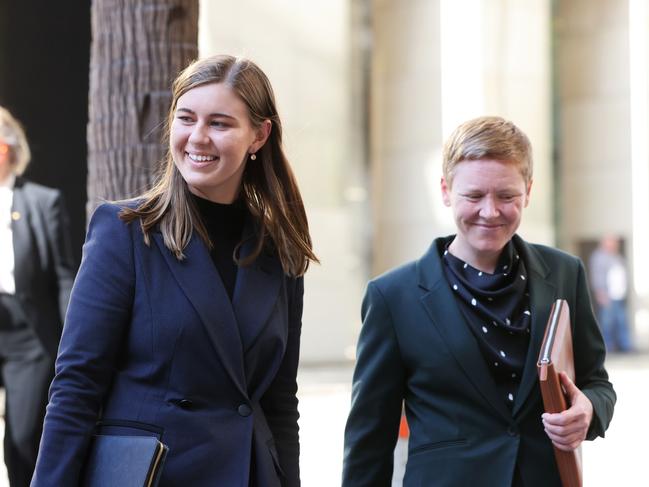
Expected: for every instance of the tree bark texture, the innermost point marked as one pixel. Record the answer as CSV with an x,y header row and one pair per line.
x,y
138,48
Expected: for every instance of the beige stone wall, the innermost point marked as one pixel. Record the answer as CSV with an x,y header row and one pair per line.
x,y
371,185
499,64
437,64
594,120
603,133
639,103
405,129
305,49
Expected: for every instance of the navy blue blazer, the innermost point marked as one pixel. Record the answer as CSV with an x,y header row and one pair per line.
x,y
153,345
415,346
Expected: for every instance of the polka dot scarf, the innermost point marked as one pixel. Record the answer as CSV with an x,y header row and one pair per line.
x,y
497,310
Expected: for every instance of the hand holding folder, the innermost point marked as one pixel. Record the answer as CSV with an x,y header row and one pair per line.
x,y
556,356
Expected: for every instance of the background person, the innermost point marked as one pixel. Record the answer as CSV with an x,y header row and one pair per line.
x,y
36,273
610,284
456,335
185,317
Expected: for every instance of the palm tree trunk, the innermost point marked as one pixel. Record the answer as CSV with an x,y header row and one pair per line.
x,y
138,48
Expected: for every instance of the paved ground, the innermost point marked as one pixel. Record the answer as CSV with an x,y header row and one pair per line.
x,y
617,460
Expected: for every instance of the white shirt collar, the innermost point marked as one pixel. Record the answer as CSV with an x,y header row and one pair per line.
x,y
6,197
7,281
9,182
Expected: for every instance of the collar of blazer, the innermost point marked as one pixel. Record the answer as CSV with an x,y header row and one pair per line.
x,y
255,295
439,302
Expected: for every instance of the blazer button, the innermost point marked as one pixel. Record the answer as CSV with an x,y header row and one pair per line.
x,y
244,410
512,430
185,404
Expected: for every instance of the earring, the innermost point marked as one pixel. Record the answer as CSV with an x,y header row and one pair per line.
x,y
253,156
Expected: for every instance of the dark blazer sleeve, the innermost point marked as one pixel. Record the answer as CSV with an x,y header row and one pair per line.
x,y
58,234
280,400
377,394
590,352
97,318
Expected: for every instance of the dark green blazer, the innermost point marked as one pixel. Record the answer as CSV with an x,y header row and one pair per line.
x,y
415,346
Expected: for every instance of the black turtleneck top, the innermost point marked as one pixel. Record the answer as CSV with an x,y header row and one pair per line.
x,y
224,224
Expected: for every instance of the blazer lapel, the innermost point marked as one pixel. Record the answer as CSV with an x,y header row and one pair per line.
x,y
22,236
256,290
542,295
199,280
446,316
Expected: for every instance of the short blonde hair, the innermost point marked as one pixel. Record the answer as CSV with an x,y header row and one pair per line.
x,y
487,138
12,134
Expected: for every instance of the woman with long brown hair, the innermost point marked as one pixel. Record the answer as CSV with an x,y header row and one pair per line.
x,y
185,318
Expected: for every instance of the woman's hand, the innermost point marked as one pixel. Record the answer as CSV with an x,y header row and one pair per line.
x,y
568,429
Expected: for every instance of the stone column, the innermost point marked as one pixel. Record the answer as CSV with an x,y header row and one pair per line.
x,y
405,129
593,120
311,56
639,162
496,61
603,107
437,64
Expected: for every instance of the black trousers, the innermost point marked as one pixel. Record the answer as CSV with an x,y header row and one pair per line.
x,y
27,371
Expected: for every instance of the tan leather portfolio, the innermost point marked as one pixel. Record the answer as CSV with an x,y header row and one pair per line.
x,y
555,357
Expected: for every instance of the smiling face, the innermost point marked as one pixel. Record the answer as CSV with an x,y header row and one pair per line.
x,y
210,140
487,198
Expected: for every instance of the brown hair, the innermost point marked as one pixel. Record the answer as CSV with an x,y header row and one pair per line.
x,y
12,134
269,188
487,138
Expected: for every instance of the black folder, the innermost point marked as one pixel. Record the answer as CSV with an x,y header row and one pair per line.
x,y
124,461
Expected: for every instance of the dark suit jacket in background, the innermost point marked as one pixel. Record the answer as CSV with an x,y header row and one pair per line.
x,y
151,343
415,345
44,268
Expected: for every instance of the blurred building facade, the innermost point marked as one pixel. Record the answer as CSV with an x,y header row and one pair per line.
x,y
369,89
